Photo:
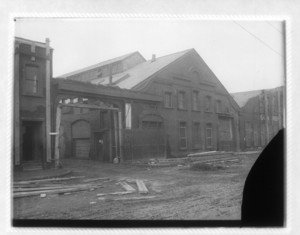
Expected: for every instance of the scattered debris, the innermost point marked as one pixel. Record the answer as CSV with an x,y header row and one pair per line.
x,y
141,186
91,203
43,195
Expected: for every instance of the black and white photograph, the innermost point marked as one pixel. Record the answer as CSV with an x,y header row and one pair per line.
x,y
134,121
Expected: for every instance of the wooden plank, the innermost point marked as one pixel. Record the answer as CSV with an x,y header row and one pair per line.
x,y
127,187
95,179
134,198
141,186
36,193
47,180
58,119
120,136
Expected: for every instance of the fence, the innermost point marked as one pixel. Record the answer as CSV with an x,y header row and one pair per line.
x,y
143,143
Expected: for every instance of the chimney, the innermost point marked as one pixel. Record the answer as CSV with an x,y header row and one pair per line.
x,y
153,58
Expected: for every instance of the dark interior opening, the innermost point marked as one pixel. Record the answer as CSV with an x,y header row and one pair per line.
x,y
32,147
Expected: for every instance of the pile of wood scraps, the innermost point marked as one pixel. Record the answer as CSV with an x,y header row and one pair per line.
x,y
44,187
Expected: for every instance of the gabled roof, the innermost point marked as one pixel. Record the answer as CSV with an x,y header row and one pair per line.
x,y
243,97
143,71
103,63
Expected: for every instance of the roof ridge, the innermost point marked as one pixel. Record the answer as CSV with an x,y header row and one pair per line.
x,y
115,59
185,51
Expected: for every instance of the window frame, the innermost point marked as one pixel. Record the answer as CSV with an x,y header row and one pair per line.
x,y
165,99
25,79
184,127
184,101
208,126
195,106
196,135
208,103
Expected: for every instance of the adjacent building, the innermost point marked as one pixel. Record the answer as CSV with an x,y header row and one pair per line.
x,y
261,116
32,119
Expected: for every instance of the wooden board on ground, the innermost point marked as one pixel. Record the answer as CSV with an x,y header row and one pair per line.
x,y
141,186
48,180
127,187
134,198
94,179
35,193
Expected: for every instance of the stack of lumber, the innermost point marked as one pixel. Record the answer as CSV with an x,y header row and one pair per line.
x,y
52,186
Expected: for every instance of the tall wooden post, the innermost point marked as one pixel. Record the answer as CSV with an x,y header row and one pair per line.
x,y
110,135
116,132
16,124
48,103
58,120
120,136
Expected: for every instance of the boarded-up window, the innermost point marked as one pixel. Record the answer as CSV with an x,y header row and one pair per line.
x,y
128,120
31,79
196,135
195,100
182,135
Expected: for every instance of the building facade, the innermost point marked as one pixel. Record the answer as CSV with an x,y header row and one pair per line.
x,y
32,119
195,110
261,116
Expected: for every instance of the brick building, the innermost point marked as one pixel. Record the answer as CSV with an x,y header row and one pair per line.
x,y
261,116
32,119
195,111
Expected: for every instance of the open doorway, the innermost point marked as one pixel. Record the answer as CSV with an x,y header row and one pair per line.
x,y
32,141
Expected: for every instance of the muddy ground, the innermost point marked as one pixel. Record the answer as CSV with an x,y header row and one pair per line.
x,y
179,193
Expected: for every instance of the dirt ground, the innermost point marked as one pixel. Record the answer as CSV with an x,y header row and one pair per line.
x,y
175,193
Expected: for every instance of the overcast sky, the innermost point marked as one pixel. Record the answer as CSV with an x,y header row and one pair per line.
x,y
244,55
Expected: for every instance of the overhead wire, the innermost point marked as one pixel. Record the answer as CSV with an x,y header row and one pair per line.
x,y
257,38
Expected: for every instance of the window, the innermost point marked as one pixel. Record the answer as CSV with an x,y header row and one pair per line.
x,y
182,135
31,79
128,115
195,100
195,76
208,134
196,135
208,104
218,106
168,100
181,100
